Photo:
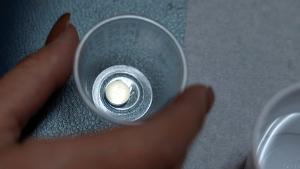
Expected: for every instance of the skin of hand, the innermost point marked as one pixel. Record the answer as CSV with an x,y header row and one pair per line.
x,y
160,142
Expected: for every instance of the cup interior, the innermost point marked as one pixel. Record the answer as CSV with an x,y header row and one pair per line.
x,y
283,104
137,42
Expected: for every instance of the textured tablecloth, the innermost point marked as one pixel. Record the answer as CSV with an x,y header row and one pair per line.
x,y
247,50
24,27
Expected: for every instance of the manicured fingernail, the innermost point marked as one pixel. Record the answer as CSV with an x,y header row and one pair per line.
x,y
210,98
60,25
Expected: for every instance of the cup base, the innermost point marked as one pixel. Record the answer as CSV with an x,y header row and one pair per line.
x,y
140,98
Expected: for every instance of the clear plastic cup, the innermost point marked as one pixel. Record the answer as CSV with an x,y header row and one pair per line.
x,y
138,51
276,143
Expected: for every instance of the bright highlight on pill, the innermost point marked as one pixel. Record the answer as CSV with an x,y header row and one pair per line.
x,y
117,92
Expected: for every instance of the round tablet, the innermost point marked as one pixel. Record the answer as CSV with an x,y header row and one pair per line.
x,y
117,92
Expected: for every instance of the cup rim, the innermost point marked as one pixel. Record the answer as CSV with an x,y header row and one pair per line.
x,y
265,111
88,34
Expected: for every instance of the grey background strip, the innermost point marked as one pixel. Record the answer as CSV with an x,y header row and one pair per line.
x,y
247,50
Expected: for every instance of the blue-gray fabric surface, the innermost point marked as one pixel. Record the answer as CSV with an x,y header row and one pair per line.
x,y
24,27
247,50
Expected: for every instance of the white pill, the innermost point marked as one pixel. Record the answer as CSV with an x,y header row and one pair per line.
x,y
117,92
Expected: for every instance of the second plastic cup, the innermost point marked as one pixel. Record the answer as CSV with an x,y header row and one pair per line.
x,y
277,134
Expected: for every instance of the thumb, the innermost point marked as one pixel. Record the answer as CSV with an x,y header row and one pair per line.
x,y
177,124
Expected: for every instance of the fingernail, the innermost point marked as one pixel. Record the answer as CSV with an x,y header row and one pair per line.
x,y
210,98
60,25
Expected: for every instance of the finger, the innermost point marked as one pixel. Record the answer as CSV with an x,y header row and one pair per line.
x,y
181,120
158,143
58,27
25,88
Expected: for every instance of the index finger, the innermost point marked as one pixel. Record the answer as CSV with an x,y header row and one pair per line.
x,y
25,88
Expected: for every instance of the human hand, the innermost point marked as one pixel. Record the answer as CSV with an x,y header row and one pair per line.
x,y
160,142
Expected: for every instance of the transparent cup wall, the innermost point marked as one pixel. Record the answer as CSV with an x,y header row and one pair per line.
x,y
140,44
277,133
